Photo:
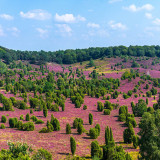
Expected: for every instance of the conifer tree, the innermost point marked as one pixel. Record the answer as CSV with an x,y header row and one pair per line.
x,y
73,145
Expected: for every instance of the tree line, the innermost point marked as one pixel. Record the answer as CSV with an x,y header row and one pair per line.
x,y
71,56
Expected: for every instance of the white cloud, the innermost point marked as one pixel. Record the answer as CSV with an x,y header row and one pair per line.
x,y
93,25
148,15
6,17
156,21
1,31
153,29
42,32
14,30
116,26
134,8
68,18
37,14
113,1
64,29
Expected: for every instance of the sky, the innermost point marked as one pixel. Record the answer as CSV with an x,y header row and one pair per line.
x,y
52,25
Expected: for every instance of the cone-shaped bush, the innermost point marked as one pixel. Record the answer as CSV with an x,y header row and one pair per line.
x,y
68,128
95,150
73,145
98,128
80,128
56,124
27,117
128,134
3,119
107,135
90,118
45,111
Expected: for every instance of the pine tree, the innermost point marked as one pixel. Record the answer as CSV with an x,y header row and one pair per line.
x,y
45,111
80,128
68,128
73,145
95,150
98,128
90,118
107,135
27,117
56,124
49,127
128,134
111,135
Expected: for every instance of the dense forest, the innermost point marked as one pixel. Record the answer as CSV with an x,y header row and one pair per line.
x,y
72,56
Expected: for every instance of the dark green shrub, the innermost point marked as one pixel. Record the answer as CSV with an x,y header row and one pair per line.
x,y
139,108
136,95
93,133
108,105
76,121
90,118
21,117
43,130
45,111
56,124
27,117
7,104
2,126
63,107
135,141
129,93
150,110
84,107
42,154
148,93
122,118
100,106
22,105
147,101
12,122
29,126
73,145
55,108
107,112
131,121
34,102
98,128
31,111
95,150
49,126
34,118
68,128
128,134
19,125
77,104
39,121
80,128
3,119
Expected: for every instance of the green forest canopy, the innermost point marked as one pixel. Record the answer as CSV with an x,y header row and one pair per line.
x,y
70,56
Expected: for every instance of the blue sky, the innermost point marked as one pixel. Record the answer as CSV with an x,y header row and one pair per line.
x,y
68,24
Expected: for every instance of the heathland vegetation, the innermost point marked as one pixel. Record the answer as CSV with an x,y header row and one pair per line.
x,y
105,107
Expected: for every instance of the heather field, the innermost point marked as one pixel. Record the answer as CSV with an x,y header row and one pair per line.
x,y
28,84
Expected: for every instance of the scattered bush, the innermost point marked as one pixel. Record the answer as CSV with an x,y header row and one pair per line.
x,y
73,145
107,112
68,128
39,121
84,107
93,133
3,119
27,117
2,126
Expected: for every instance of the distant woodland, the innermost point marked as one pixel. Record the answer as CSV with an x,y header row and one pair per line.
x,y
78,55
